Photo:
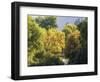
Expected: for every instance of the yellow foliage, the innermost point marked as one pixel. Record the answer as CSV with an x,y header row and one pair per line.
x,y
54,41
45,45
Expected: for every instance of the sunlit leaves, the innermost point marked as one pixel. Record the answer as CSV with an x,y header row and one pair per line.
x,y
49,46
69,28
54,41
35,42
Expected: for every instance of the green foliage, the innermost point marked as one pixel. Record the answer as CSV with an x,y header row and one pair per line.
x,y
72,39
48,46
83,30
46,21
50,58
35,36
73,44
43,44
69,28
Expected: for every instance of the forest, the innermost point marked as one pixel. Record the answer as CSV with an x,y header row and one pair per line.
x,y
49,46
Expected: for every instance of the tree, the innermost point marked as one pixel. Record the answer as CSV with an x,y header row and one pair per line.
x,y
72,41
43,45
83,30
77,22
69,28
83,27
35,40
46,21
54,41
48,46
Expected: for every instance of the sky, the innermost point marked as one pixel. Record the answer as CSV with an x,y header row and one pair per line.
x,y
62,20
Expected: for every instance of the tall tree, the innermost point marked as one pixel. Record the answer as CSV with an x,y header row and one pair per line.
x,y
83,27
46,21
83,30
35,40
72,40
